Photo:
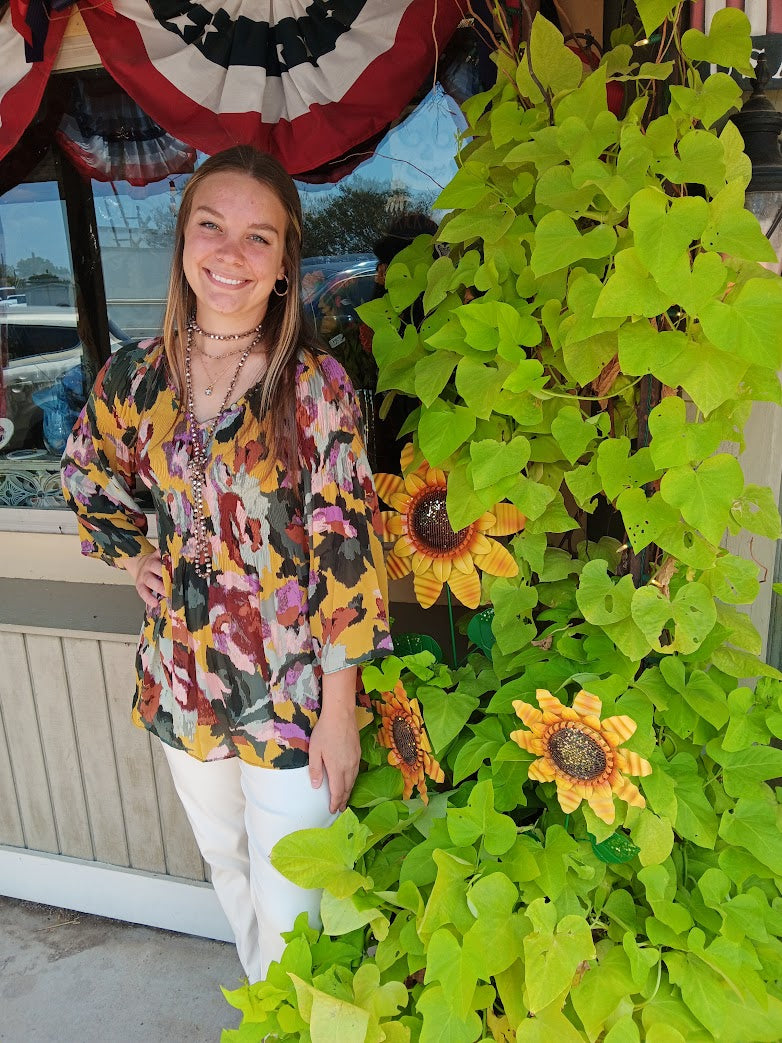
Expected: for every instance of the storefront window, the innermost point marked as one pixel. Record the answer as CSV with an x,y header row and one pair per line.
x,y
85,250
43,362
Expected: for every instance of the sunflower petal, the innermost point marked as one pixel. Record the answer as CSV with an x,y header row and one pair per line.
x,y
466,587
427,589
404,547
541,771
601,801
587,705
526,740
435,476
548,702
498,562
414,482
395,524
421,563
407,455
568,798
485,522
397,567
629,792
509,520
433,769
388,484
618,729
400,501
462,561
441,567
479,544
385,520
633,764
527,713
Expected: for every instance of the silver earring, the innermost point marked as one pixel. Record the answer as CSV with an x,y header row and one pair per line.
x,y
281,293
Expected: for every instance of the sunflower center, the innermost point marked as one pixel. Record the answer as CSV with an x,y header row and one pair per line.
x,y
405,740
577,754
429,523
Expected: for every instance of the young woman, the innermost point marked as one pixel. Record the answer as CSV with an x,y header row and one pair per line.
x,y
268,586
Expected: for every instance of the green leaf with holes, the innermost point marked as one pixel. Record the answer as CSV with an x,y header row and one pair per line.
x,y
689,617
705,495
600,599
733,580
756,510
645,517
686,543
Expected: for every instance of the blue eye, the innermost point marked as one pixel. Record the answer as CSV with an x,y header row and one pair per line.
x,y
259,239
207,224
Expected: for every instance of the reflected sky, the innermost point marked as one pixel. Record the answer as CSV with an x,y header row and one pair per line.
x,y
416,156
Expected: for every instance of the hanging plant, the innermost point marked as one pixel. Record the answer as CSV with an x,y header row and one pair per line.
x,y
589,345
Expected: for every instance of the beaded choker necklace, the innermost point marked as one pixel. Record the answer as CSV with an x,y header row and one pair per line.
x,y
223,336
200,440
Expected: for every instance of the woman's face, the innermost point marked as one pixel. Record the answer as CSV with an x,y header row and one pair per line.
x,y
234,250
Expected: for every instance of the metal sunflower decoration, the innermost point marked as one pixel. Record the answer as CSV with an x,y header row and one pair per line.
x,y
580,752
403,734
426,545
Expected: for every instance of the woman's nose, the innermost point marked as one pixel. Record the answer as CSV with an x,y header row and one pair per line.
x,y
229,250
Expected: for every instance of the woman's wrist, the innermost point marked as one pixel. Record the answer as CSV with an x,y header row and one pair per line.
x,y
338,692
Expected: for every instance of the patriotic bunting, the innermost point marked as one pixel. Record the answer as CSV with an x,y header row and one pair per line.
x,y
22,83
305,79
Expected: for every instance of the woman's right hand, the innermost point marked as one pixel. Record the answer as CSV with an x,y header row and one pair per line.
x,y
147,573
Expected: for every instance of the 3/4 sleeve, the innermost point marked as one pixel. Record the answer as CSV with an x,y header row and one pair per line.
x,y
348,587
97,468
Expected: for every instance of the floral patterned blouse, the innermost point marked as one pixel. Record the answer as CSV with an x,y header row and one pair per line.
x,y
231,665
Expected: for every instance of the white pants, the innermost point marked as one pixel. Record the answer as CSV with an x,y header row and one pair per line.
x,y
238,813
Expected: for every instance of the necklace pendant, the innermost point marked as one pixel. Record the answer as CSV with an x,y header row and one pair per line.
x,y
208,391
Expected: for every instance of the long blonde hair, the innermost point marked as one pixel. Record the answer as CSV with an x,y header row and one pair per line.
x,y
285,330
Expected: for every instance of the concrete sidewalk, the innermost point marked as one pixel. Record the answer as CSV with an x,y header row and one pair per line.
x,y
73,978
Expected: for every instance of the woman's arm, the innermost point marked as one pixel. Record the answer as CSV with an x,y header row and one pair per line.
x,y
98,468
334,745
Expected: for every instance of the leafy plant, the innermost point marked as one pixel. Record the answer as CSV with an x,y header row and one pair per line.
x,y
603,317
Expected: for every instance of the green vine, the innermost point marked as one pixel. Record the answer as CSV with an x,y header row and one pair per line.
x,y
603,277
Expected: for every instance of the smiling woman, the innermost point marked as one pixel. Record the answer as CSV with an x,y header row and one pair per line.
x,y
268,587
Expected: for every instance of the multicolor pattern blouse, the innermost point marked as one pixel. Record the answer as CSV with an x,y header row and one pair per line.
x,y
231,665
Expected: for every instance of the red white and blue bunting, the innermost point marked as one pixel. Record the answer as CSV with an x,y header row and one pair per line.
x,y
305,79
22,82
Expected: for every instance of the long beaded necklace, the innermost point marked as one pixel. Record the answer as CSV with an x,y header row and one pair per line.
x,y
200,440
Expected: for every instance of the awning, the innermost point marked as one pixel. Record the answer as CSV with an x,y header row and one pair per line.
x,y
307,80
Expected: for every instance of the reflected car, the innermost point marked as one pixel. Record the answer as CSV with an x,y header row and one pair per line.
x,y
345,282
41,344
